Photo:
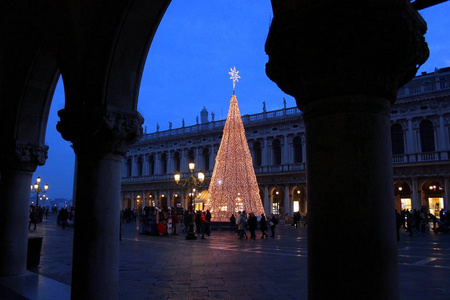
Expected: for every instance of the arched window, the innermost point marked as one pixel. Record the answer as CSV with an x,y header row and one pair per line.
x,y
177,161
257,157
151,164
164,163
129,166
398,144
191,156
276,148
206,158
139,166
298,151
427,136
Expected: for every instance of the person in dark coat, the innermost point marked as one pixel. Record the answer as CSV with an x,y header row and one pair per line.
x,y
208,224
198,222
263,226
252,221
273,223
233,223
32,218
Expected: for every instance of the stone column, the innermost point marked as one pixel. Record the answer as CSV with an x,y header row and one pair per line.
x,y
285,152
287,203
158,165
100,139
17,164
442,139
343,61
145,167
212,159
416,196
266,201
264,153
447,194
303,150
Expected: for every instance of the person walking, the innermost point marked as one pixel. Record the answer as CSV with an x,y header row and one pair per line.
x,y
252,222
233,223
32,218
198,222
273,223
242,223
175,222
208,224
203,224
263,226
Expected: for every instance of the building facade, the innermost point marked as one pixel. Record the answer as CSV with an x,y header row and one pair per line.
x,y
420,137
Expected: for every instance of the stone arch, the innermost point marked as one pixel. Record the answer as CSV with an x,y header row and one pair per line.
x,y
297,149
276,151
298,194
402,195
397,138
427,138
277,200
150,199
127,202
433,194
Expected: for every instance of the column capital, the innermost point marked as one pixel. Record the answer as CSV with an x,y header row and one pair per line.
x,y
26,157
97,131
319,49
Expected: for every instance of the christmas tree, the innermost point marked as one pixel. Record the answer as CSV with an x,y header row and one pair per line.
x,y
233,186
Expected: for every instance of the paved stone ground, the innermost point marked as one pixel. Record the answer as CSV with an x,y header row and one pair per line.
x,y
224,267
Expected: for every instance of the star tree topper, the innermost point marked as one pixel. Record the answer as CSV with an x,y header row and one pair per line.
x,y
235,76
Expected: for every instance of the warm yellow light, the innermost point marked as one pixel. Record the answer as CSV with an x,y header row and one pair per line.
x,y
38,179
191,166
400,188
46,186
233,185
277,192
298,191
177,177
31,187
36,186
201,176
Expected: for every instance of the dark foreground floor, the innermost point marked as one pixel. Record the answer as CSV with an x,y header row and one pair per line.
x,y
220,267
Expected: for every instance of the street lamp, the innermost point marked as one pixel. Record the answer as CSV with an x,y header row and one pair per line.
x,y
36,188
192,182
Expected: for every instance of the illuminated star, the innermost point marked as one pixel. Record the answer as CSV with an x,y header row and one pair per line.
x,y
235,76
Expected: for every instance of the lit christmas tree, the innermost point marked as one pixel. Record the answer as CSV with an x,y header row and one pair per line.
x,y
233,186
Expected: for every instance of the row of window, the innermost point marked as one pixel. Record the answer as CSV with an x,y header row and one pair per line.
x,y
205,157
427,143
426,132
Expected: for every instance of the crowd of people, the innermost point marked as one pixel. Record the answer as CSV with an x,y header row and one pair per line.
x,y
250,222
417,221
38,214
170,221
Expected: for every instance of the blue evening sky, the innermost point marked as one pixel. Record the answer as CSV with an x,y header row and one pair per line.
x,y
187,69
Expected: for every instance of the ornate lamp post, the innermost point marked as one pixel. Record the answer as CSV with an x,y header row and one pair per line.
x,y
36,188
192,182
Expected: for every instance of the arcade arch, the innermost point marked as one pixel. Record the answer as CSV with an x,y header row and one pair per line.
x,y
433,196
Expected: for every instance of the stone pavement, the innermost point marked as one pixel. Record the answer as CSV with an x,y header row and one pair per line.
x,y
220,267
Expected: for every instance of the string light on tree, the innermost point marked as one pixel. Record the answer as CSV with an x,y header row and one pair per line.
x,y
233,186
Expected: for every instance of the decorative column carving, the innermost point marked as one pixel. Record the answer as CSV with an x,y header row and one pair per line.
x,y
100,139
362,51
17,164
